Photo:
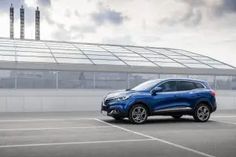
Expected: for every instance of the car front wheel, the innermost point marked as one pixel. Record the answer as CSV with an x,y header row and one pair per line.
x,y
202,113
138,114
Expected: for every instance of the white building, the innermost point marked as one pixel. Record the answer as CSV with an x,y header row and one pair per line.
x,y
68,76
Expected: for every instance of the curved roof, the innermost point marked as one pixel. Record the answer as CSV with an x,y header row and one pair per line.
x,y
31,54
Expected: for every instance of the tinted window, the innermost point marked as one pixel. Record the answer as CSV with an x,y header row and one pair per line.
x,y
168,86
185,85
199,85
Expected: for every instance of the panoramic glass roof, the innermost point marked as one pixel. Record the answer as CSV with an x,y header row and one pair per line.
x,y
101,54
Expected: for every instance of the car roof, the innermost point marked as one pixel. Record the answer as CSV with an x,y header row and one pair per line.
x,y
181,79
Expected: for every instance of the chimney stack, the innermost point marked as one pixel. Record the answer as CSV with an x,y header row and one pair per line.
x,y
11,22
37,24
22,22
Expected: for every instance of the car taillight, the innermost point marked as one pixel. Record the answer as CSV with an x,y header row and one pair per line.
x,y
213,93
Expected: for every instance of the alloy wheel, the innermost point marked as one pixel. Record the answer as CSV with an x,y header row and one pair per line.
x,y
203,113
139,114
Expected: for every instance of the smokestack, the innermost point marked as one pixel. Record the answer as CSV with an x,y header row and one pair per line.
x,y
22,22
11,22
37,24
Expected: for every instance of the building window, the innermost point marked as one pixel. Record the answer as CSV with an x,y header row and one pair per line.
x,y
70,79
137,78
7,79
163,76
36,79
234,82
224,82
106,80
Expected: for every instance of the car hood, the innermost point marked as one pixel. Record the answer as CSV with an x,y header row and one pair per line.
x,y
118,93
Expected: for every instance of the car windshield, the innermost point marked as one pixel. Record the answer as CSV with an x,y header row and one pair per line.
x,y
146,85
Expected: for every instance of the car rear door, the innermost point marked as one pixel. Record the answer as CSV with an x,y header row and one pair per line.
x,y
186,95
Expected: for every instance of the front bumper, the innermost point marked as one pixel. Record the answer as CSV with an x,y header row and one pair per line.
x,y
113,110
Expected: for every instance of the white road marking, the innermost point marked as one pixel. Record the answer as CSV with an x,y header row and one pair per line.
x,y
231,116
58,128
35,120
73,143
234,123
158,139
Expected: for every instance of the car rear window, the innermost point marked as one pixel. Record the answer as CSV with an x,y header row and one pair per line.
x,y
185,85
188,85
199,85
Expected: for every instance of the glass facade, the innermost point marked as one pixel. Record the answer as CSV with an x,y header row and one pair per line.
x,y
36,79
97,54
223,82
43,79
7,79
105,80
72,55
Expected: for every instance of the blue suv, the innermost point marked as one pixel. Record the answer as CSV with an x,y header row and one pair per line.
x,y
174,97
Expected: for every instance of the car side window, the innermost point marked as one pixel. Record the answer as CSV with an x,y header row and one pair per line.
x,y
169,86
185,85
199,85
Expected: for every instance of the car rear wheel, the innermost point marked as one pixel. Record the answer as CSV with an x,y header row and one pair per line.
x,y
178,116
138,114
202,113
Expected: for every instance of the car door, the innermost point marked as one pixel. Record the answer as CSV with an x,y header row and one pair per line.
x,y
186,94
166,98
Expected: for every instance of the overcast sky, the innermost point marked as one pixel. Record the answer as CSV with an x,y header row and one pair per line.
x,y
204,26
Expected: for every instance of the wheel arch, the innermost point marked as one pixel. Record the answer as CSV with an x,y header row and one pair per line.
x,y
205,101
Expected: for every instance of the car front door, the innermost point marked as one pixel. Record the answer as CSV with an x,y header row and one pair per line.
x,y
166,97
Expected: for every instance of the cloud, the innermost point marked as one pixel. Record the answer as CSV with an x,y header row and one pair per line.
x,y
5,5
44,7
216,8
194,3
108,15
189,15
73,32
192,17
61,33
68,13
195,10
124,39
44,3
225,7
83,28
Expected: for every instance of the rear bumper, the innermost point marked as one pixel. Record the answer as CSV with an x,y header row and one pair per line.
x,y
214,107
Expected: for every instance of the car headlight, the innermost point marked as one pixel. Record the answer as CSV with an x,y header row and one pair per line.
x,y
122,98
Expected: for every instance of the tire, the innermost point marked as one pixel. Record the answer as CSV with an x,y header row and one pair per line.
x,y
177,116
138,114
117,118
202,113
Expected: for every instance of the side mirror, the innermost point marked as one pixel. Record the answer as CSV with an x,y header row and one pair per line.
x,y
156,90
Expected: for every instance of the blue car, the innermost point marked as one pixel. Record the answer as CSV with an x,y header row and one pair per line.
x,y
173,97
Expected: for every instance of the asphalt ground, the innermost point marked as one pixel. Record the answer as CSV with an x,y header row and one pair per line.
x,y
88,134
